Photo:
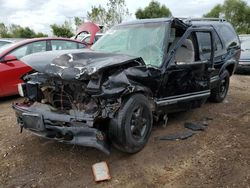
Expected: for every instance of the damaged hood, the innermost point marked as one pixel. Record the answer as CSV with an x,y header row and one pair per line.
x,y
38,61
75,64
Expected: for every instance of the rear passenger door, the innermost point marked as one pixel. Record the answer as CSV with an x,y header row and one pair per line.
x,y
219,51
187,76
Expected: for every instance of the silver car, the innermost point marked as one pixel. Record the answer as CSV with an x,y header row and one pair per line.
x,y
244,62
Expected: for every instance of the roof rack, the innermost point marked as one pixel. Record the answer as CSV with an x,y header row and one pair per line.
x,y
203,19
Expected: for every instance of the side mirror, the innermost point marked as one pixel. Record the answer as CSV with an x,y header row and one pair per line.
x,y
8,58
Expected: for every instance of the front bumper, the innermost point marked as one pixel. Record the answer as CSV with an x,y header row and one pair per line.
x,y
60,127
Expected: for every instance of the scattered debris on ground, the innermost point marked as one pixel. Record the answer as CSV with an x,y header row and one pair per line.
x,y
194,126
101,171
216,157
5,155
178,136
188,133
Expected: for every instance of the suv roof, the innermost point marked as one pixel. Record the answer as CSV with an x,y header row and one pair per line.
x,y
191,21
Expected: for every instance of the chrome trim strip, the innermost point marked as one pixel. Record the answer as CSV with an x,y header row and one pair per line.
x,y
214,79
177,99
183,95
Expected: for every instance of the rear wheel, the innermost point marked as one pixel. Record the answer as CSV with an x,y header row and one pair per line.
x,y
219,93
130,129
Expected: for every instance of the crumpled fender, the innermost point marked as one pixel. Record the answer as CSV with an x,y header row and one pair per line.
x,y
130,80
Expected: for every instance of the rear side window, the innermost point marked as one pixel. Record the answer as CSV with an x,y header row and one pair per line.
x,y
63,45
218,44
229,36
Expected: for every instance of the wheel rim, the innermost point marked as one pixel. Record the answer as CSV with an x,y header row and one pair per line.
x,y
223,87
138,124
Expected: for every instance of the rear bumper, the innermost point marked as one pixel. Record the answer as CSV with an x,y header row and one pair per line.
x,y
64,129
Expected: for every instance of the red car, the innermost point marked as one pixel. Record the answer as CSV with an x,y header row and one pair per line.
x,y
11,68
88,33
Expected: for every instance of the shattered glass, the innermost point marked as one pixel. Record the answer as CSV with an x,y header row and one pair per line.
x,y
139,40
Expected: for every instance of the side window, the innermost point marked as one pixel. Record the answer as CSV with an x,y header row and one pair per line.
x,y
81,46
28,49
229,35
196,48
71,45
218,44
63,45
186,52
20,52
205,46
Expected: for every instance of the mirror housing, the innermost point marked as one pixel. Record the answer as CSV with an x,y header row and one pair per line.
x,y
8,58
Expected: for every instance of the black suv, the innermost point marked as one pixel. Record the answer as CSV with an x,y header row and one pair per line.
x,y
137,72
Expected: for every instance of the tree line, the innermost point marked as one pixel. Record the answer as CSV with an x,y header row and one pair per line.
x,y
17,31
235,11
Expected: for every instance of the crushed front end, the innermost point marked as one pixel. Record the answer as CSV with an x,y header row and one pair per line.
x,y
61,110
73,103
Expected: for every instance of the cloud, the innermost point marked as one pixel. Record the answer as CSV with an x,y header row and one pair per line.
x,y
40,14
190,8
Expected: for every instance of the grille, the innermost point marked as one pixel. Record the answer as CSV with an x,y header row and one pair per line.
x,y
62,101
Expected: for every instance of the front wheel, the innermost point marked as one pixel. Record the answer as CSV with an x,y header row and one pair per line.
x,y
130,130
219,93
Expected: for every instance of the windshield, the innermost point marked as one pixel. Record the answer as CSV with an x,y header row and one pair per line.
x,y
140,40
245,45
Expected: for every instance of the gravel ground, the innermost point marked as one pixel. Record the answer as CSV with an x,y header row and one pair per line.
x,y
216,157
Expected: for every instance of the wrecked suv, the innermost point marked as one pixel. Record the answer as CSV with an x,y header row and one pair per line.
x,y
135,74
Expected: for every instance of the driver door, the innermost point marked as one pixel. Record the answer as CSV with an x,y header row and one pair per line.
x,y
187,76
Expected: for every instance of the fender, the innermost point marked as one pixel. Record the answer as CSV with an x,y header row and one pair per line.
x,y
228,63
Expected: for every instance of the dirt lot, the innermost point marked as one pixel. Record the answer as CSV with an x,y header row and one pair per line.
x,y
217,157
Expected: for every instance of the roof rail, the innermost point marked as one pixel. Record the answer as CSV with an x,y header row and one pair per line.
x,y
203,19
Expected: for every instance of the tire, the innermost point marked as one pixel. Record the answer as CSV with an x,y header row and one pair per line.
x,y
129,131
219,93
